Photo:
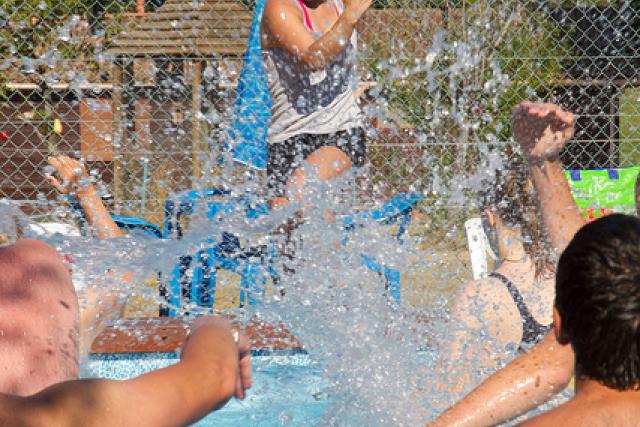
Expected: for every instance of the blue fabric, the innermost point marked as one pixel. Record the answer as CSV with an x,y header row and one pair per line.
x,y
252,109
389,210
132,223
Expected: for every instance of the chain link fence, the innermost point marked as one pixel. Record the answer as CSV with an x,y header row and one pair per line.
x,y
142,91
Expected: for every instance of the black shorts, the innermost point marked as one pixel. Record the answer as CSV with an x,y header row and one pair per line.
x,y
283,158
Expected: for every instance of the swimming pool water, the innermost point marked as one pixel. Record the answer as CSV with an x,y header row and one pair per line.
x,y
287,388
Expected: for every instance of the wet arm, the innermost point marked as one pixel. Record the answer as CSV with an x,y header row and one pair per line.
x,y
559,210
542,130
203,380
283,21
524,384
97,215
98,304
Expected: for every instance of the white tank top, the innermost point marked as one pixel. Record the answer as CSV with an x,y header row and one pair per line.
x,y
319,102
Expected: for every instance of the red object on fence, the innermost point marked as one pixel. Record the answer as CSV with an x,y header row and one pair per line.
x,y
603,212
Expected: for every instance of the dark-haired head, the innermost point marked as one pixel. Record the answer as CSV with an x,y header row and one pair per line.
x,y
598,300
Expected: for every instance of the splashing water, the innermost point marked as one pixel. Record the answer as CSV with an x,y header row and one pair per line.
x,y
364,341
371,349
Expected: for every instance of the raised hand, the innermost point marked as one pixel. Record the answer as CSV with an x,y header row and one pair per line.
x,y
73,177
541,129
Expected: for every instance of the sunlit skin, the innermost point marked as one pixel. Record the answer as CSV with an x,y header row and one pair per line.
x,y
283,28
212,369
43,329
73,179
39,323
486,305
541,130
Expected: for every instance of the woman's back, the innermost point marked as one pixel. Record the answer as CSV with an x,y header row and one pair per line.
x,y
510,310
532,329
491,301
486,327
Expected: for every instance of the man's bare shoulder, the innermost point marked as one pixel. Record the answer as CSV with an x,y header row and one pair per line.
x,y
619,412
35,262
30,253
28,249
33,245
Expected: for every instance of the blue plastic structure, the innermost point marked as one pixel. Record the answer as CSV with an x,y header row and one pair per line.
x,y
223,250
252,109
247,143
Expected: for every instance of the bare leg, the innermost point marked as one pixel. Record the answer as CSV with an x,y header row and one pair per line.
x,y
276,202
329,163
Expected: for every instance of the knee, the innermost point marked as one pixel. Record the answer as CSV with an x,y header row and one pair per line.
x,y
329,162
277,202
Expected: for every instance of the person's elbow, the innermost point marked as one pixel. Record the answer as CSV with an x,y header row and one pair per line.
x,y
560,373
312,61
26,411
556,366
71,403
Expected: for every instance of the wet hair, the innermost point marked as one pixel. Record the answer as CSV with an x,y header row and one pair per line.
x,y
513,198
598,299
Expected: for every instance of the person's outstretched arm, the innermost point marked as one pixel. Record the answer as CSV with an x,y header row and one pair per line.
x,y
75,181
542,130
533,378
283,21
99,304
212,369
524,384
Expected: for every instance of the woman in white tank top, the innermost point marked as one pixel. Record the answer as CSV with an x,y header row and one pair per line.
x,y
309,48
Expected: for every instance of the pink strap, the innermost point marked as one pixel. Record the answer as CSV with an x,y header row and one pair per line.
x,y
335,7
305,12
307,20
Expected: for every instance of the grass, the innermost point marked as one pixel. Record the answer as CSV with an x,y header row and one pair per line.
x,y
630,127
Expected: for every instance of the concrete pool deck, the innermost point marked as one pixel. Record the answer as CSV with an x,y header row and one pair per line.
x,y
166,334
